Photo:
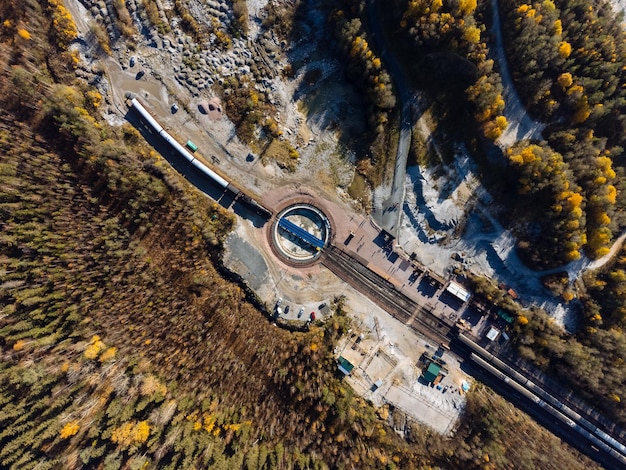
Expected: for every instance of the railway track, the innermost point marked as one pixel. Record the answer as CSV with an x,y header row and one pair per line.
x,y
385,294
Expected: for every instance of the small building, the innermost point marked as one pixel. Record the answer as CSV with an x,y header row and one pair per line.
x,y
432,372
376,385
345,366
458,291
440,352
387,237
506,316
493,334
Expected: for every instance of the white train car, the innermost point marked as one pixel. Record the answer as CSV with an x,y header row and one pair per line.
x,y
177,146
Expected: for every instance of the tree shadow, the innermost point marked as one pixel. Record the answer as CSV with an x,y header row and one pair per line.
x,y
418,190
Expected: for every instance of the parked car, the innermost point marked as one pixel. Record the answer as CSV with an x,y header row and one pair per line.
x,y
286,309
279,301
322,305
132,60
174,108
300,312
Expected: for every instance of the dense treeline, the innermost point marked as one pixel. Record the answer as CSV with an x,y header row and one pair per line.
x,y
569,59
164,388
569,69
548,197
445,42
353,44
364,67
590,362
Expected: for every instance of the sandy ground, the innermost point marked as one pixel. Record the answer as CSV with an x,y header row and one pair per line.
x,y
385,352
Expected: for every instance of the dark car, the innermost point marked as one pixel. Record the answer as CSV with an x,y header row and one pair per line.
x,y
321,306
286,309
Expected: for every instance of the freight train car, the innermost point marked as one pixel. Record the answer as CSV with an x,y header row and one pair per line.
x,y
193,161
551,404
182,151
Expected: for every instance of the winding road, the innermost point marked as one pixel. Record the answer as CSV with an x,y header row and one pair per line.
x,y
521,126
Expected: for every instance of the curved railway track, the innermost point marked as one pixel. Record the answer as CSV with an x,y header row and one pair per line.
x,y
385,294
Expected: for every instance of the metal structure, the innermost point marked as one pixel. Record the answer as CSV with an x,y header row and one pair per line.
x,y
179,148
386,295
302,234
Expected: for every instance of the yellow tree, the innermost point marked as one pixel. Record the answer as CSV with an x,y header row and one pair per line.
x,y
62,23
23,34
467,7
565,49
69,429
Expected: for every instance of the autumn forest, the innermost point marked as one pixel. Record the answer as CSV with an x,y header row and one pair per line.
x,y
123,342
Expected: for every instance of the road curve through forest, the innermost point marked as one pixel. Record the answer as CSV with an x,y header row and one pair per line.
x,y
521,126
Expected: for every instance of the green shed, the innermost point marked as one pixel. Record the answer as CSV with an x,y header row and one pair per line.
x,y
345,366
506,316
432,372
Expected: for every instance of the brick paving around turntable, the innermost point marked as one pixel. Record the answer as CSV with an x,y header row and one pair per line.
x,y
395,266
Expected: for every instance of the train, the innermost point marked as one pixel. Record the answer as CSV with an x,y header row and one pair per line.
x,y
523,391
201,167
550,404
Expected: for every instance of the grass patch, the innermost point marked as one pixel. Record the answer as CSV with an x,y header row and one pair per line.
x,y
359,191
384,152
280,151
